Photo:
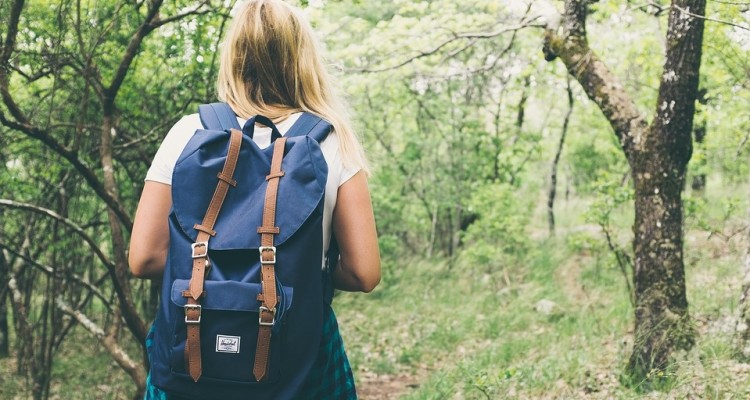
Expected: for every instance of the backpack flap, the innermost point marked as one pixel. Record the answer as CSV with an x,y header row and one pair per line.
x,y
233,296
300,189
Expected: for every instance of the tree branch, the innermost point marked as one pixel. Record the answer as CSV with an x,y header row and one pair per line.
x,y
109,342
453,38
703,17
8,47
598,82
678,88
9,44
50,271
195,11
89,175
72,225
144,29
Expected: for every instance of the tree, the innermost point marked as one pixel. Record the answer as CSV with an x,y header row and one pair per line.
x,y
658,154
86,97
441,91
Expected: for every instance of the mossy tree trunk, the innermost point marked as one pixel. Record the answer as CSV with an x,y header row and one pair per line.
x,y
658,154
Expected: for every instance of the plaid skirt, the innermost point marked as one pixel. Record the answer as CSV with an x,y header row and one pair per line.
x,y
330,378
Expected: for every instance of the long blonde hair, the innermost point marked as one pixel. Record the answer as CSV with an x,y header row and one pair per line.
x,y
271,65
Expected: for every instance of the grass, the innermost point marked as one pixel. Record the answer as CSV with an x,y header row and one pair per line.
x,y
82,370
459,330
500,347
466,332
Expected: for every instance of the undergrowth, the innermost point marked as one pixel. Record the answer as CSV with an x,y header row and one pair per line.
x,y
554,323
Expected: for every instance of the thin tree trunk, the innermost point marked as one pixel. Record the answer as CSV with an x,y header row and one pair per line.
x,y
4,294
121,276
520,118
742,342
553,175
4,331
699,180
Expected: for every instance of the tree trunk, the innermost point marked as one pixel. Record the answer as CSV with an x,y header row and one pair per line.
x,y
120,275
699,180
661,318
4,331
553,175
742,342
658,155
4,294
661,314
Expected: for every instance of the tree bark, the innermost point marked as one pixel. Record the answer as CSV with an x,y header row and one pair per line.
x,y
658,155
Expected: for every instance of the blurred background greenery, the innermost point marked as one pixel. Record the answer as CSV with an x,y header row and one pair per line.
x,y
482,297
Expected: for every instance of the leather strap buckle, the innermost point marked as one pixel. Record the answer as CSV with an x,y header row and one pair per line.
x,y
196,307
272,249
197,245
260,316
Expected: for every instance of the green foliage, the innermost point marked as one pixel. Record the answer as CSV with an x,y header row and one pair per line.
x,y
498,238
612,194
460,133
436,128
62,101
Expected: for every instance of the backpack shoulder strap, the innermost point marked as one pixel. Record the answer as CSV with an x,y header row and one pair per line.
x,y
310,125
218,116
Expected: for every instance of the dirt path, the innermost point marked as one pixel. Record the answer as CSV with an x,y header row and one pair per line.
x,y
568,275
374,386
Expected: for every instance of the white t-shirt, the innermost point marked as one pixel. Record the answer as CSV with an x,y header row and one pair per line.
x,y
178,137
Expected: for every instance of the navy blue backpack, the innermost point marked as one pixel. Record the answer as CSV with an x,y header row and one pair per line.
x,y
242,301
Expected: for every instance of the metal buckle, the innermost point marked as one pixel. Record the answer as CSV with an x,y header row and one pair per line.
x,y
260,320
194,306
261,249
197,244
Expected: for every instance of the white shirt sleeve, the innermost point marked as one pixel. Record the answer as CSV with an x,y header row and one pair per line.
x,y
171,148
338,173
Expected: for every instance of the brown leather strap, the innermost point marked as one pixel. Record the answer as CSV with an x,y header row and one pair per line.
x,y
268,297
200,248
199,227
200,257
193,341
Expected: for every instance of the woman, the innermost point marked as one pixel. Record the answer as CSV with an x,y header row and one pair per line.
x,y
271,66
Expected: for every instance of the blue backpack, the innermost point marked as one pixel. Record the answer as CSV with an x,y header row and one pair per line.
x,y
242,301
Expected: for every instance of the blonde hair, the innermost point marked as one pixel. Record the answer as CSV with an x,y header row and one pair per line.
x,y
271,65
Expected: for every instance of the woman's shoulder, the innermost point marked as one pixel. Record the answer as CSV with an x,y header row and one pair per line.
x,y
182,131
188,123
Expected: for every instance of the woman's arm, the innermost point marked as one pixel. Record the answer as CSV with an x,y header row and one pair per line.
x,y
354,227
149,241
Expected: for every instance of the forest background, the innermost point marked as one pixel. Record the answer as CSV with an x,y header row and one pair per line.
x,y
507,176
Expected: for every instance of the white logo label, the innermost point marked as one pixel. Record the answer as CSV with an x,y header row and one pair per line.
x,y
227,344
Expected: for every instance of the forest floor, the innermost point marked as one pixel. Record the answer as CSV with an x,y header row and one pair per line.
x,y
374,386
559,327
563,331
553,323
